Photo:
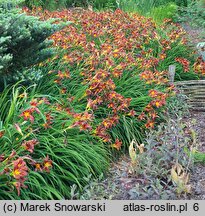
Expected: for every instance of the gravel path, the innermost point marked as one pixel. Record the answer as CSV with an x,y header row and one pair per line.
x,y
195,35
197,179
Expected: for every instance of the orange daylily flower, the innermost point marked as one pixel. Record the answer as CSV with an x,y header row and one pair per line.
x,y
47,164
117,144
150,124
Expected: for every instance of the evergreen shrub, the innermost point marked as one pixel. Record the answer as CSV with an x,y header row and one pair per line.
x,y
23,42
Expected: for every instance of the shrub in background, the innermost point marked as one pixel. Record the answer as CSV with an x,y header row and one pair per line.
x,y
104,4
158,10
97,4
143,7
182,2
46,4
166,11
194,13
23,42
54,5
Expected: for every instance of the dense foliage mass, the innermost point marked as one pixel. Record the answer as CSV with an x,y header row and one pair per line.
x,y
100,4
108,82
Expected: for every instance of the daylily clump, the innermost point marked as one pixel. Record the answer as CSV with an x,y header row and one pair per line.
x,y
104,46
101,57
15,167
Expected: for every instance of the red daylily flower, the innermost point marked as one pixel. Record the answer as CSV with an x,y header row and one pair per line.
x,y
141,116
19,185
29,145
2,133
20,169
153,93
2,157
27,115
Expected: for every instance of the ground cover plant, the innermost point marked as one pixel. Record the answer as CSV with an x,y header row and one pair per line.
x,y
106,84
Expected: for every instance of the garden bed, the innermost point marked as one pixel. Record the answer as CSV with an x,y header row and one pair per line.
x,y
103,86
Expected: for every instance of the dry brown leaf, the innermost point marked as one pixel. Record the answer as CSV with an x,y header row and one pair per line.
x,y
141,148
180,178
132,151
